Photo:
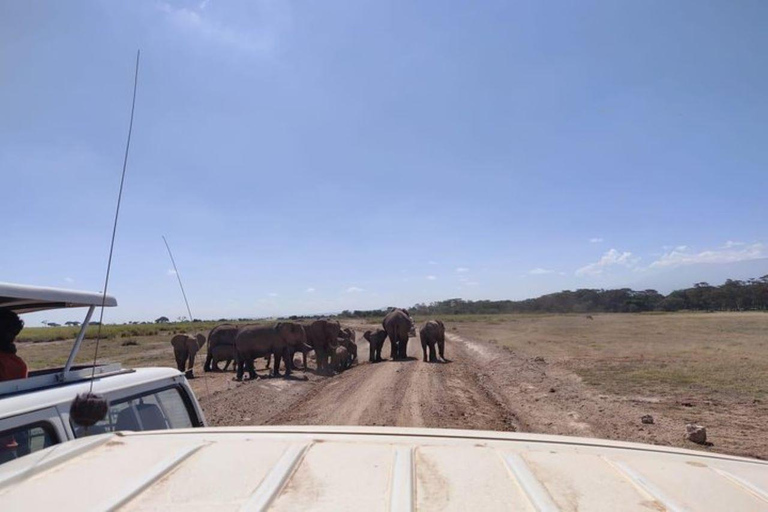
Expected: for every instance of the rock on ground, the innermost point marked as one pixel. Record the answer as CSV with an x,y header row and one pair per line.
x,y
696,433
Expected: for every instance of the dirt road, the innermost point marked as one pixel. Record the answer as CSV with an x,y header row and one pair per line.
x,y
396,393
484,386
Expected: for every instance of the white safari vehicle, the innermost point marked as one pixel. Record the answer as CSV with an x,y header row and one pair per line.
x,y
34,412
339,468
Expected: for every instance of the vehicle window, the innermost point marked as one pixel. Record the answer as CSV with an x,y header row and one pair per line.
x,y
159,410
20,441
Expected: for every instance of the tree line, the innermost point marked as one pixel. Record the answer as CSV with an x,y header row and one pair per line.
x,y
733,295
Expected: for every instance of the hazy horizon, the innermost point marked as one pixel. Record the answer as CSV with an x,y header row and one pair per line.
x,y
312,158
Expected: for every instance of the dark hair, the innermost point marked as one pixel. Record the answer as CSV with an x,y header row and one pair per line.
x,y
10,327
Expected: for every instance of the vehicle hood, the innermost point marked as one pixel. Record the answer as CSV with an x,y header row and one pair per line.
x,y
374,468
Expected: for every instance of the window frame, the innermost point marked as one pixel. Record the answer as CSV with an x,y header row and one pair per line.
x,y
47,423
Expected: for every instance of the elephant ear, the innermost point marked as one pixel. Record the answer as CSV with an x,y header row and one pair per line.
x,y
200,340
278,325
367,335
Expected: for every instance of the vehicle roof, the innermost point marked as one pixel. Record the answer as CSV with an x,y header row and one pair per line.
x,y
26,299
39,399
366,468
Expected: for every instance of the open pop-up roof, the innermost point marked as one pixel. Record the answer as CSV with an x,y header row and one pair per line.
x,y
26,299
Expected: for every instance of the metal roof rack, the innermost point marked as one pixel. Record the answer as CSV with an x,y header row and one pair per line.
x,y
51,378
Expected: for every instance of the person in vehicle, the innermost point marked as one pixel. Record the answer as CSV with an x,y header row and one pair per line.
x,y
11,365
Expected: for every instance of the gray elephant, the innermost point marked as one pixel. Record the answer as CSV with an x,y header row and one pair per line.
x,y
185,347
340,359
398,325
431,334
280,341
309,347
375,342
221,347
347,339
324,335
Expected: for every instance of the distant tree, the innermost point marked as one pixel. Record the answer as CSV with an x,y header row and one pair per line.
x,y
73,323
53,324
162,320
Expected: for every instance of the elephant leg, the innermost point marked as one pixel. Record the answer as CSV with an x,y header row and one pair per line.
x,y
181,359
424,349
441,349
226,364
276,367
304,359
190,366
288,356
252,369
208,362
432,356
393,351
269,358
404,348
371,352
240,368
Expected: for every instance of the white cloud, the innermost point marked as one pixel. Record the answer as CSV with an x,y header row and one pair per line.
x,y
462,270
69,280
272,294
595,240
431,278
611,258
310,290
730,253
171,272
354,289
259,38
540,271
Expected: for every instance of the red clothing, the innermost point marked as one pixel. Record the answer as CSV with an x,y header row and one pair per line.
x,y
12,367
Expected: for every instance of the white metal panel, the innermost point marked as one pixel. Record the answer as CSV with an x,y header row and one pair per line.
x,y
223,475
95,478
465,477
688,484
337,476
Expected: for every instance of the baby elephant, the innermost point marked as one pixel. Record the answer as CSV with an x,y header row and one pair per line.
x,y
185,348
340,359
433,333
376,340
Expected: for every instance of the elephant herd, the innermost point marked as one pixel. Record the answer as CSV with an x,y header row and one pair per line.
x,y
335,347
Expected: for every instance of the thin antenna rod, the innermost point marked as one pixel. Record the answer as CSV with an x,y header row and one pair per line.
x,y
117,215
189,311
178,276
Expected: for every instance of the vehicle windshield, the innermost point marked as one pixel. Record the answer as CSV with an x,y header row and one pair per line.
x,y
541,217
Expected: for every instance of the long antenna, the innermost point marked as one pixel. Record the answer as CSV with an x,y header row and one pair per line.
x,y
189,311
117,215
178,276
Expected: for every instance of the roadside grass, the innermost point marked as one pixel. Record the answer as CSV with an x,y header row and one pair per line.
x,y
706,354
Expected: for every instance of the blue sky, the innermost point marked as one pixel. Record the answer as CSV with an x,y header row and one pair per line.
x,y
307,157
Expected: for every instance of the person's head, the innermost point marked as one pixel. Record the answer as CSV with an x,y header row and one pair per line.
x,y
10,327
